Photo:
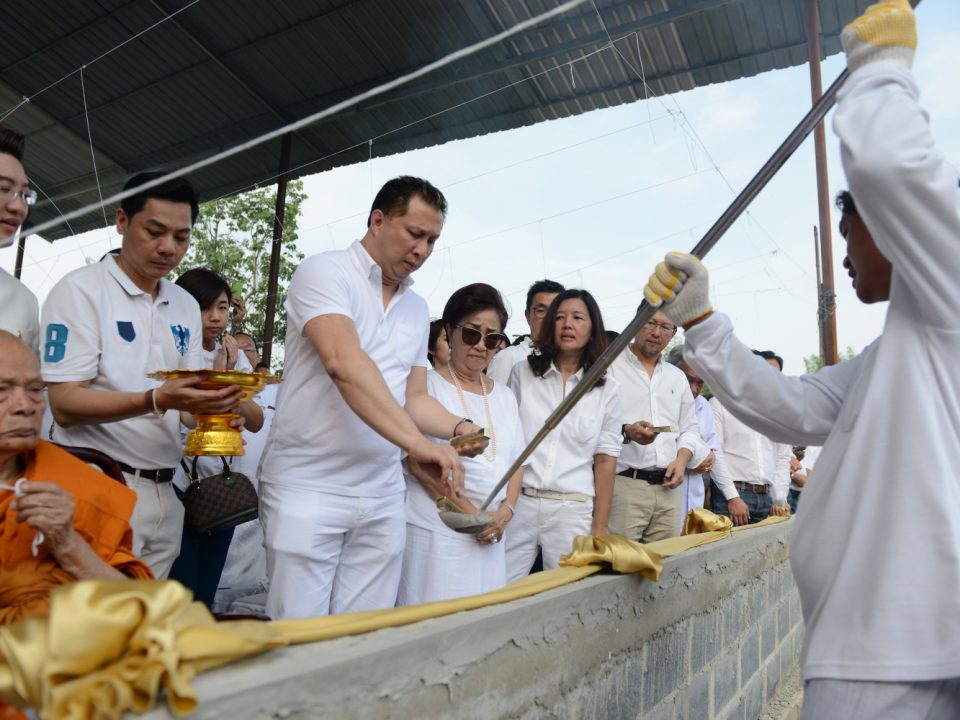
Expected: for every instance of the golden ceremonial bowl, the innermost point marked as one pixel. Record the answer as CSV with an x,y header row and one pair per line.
x,y
213,434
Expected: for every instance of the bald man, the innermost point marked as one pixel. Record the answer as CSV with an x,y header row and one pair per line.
x,y
60,519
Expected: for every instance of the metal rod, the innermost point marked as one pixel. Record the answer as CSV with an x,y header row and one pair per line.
x,y
710,238
828,318
18,263
276,247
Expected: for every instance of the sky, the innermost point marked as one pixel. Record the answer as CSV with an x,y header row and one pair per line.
x,y
596,200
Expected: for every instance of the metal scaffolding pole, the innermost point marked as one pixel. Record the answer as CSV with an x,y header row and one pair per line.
x,y
278,218
826,297
18,265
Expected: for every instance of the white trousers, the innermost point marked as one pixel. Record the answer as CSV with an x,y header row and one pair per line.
x,y
330,554
157,523
550,525
443,565
866,700
693,494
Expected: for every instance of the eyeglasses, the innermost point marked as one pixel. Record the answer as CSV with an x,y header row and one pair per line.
x,y
666,327
471,336
539,311
694,381
9,193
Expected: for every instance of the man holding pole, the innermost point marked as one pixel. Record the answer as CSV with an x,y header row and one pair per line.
x,y
878,567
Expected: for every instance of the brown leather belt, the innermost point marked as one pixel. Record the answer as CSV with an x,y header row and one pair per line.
x,y
758,488
654,476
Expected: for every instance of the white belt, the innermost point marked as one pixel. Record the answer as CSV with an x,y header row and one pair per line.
x,y
554,495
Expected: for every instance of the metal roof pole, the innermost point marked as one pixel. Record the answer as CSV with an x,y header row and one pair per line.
x,y
18,265
826,297
275,249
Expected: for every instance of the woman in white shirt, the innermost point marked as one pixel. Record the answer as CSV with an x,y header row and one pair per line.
x,y
568,486
439,563
202,557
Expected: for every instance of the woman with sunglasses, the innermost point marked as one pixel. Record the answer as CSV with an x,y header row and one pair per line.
x,y
439,563
568,486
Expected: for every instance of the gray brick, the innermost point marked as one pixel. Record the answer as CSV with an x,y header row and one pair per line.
x,y
768,635
796,614
615,693
783,621
698,698
705,639
758,597
752,702
774,586
725,680
773,674
789,584
666,710
666,664
735,615
749,655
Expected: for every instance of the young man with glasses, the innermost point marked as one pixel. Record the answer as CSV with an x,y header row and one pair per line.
x,y
21,312
539,297
354,395
660,434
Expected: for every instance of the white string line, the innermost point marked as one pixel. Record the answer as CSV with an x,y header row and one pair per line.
x,y
695,136
508,166
93,157
577,209
310,119
425,118
30,98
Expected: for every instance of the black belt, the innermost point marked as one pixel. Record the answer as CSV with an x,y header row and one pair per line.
x,y
160,475
654,476
758,488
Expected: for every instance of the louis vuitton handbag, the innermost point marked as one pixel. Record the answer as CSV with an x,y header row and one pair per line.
x,y
218,502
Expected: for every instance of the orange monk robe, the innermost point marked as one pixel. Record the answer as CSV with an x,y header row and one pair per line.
x,y
103,509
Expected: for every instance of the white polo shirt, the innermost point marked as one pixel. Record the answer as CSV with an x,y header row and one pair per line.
x,y
564,460
21,312
99,326
503,362
661,399
317,441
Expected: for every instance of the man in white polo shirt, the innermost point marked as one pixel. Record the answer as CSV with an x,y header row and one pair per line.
x,y
105,326
354,394
21,313
539,297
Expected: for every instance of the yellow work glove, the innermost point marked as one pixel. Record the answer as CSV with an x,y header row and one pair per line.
x,y
680,288
887,31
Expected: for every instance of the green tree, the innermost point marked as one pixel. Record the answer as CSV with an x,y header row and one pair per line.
x,y
234,235
811,363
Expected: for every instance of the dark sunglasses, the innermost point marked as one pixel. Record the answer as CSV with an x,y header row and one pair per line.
x,y
471,336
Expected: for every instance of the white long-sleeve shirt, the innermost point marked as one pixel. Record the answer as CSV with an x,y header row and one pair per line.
x,y
663,398
564,460
748,456
876,547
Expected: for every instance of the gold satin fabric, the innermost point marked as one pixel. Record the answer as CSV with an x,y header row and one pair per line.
x,y
110,646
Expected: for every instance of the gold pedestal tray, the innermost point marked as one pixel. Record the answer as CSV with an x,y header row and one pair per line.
x,y
213,434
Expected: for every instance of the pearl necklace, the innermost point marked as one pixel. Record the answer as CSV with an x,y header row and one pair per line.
x,y
491,452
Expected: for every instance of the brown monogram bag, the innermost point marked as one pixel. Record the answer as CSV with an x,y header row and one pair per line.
x,y
218,502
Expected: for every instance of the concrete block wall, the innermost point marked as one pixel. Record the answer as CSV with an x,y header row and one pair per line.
x,y
713,638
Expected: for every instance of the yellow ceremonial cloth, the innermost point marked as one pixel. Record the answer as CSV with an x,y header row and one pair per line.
x,y
103,508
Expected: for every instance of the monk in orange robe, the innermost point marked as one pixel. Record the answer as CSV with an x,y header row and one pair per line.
x,y
81,514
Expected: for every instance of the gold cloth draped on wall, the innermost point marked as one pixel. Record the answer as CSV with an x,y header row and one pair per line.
x,y
111,646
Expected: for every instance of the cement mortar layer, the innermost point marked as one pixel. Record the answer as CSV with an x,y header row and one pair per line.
x,y
515,660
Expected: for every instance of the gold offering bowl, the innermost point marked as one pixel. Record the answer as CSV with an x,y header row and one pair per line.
x,y
213,434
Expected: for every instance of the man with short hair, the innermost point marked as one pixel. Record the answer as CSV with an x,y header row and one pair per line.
x,y
21,312
693,490
105,327
876,548
539,297
60,519
354,394
660,434
753,479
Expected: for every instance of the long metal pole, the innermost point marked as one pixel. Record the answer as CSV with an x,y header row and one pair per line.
x,y
18,264
272,282
826,304
710,238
